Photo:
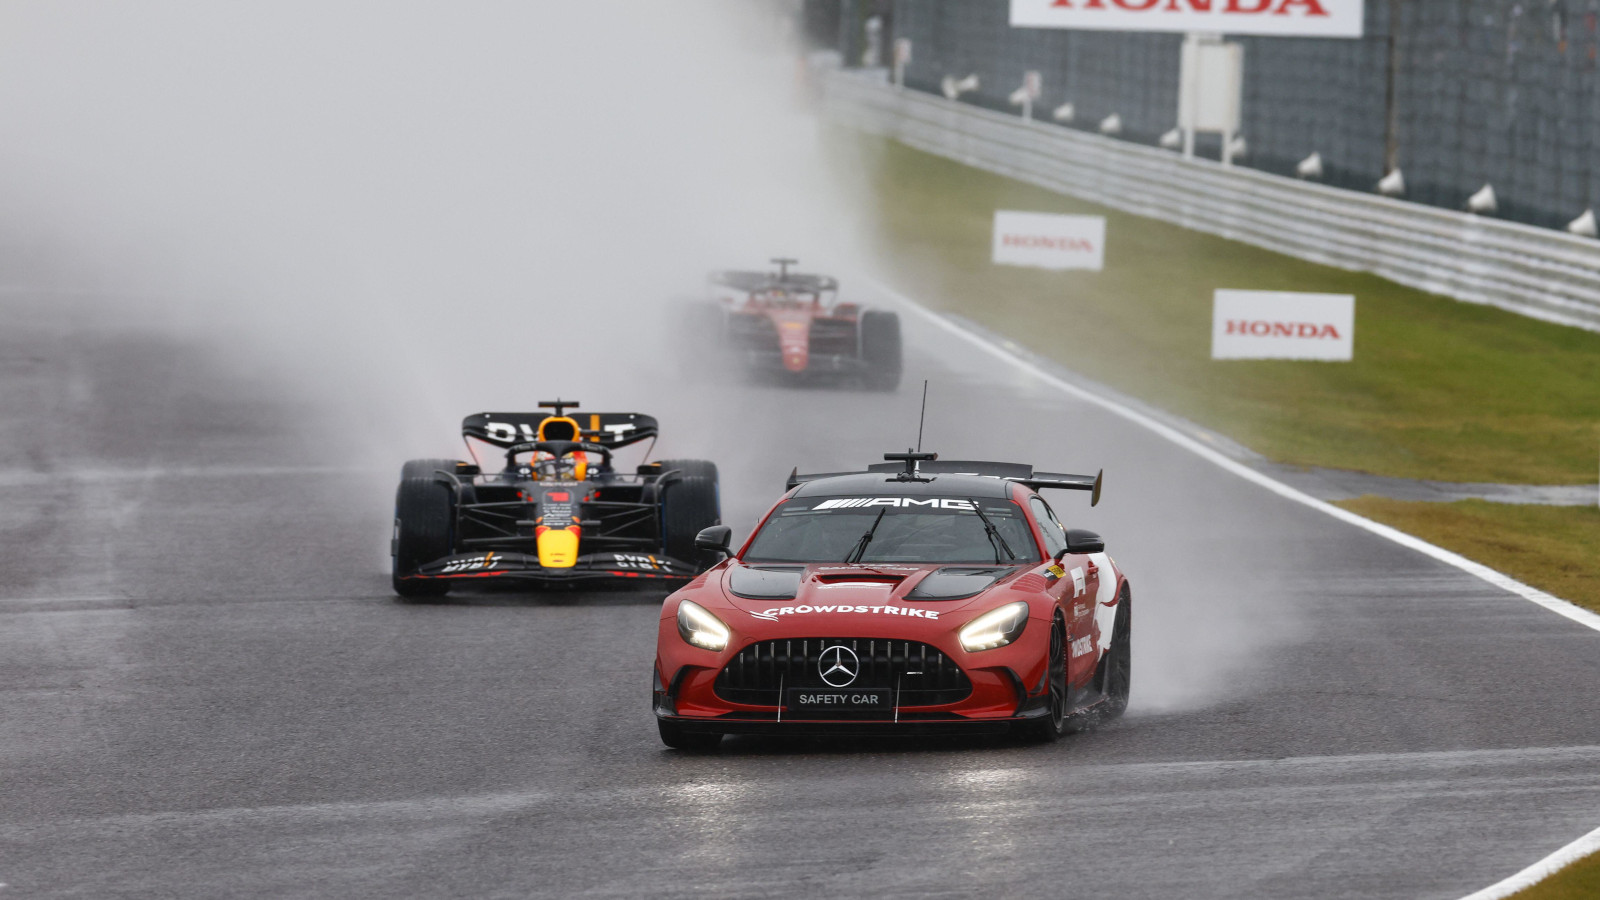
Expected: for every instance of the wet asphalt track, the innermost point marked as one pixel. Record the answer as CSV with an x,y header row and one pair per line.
x,y
209,690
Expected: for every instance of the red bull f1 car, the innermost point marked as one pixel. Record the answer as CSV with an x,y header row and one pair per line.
x,y
543,505
945,597
793,326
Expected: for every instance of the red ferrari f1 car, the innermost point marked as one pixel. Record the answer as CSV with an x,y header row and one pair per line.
x,y
945,597
793,326
543,505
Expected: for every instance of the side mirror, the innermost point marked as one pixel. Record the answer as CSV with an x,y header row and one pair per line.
x,y
715,539
1082,541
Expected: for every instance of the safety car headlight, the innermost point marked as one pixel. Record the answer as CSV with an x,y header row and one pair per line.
x,y
995,628
699,627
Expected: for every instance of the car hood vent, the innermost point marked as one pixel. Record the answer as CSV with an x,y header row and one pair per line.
x,y
957,582
765,582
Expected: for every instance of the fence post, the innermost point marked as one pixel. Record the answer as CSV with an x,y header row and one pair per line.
x,y
1391,107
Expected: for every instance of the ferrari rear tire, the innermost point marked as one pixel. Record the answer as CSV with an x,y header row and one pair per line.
x,y
1058,721
881,349
691,504
424,516
675,737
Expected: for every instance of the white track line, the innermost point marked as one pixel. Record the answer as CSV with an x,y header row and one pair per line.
x,y
1583,846
1544,868
1548,601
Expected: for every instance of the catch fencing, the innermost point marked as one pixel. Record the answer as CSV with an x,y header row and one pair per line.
x,y
1499,92
1533,271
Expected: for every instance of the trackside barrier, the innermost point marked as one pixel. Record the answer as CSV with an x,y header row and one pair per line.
x,y
1535,272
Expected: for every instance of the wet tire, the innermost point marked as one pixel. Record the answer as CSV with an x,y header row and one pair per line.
x,y
688,741
424,514
690,504
881,350
1115,676
425,468
1058,722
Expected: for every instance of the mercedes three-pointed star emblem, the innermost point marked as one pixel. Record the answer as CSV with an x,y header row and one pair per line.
x,y
838,666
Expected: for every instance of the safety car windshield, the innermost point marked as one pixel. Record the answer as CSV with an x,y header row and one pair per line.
x,y
902,530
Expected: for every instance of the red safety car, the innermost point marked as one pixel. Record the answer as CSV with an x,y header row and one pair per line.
x,y
794,327
941,597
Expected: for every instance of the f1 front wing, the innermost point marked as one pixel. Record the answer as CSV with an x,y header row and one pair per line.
x,y
521,567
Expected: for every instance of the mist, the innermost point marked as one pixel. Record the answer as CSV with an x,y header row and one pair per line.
x,y
400,213
413,210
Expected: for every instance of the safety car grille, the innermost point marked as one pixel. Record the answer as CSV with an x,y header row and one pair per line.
x,y
922,674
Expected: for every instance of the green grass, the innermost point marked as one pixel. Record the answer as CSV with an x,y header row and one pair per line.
x,y
1438,389
1553,548
1579,881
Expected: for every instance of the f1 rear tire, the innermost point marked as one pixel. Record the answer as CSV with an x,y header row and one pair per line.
x,y
424,518
691,503
675,737
881,349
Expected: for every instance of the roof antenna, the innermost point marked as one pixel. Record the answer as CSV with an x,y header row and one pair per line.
x,y
783,267
921,420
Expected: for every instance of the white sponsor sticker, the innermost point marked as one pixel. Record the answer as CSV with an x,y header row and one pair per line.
x,y
1078,583
1285,18
485,562
1049,241
803,609
1283,325
1083,646
903,502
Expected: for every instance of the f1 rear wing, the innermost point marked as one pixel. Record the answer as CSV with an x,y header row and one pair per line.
x,y
767,281
608,429
1022,473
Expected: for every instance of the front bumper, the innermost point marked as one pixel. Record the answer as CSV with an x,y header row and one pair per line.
x,y
955,725
1000,700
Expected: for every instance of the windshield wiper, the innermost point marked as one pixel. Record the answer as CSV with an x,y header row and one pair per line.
x,y
993,532
860,550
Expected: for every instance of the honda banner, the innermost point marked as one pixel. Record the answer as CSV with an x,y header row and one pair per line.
x,y
1049,241
1284,18
1283,325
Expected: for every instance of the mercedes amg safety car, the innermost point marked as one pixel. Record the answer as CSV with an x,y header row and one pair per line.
x,y
542,504
793,325
946,597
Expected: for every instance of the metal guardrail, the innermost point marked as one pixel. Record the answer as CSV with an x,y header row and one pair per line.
x,y
1535,272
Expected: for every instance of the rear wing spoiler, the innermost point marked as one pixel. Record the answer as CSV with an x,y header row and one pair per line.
x,y
610,430
1090,483
1021,473
766,281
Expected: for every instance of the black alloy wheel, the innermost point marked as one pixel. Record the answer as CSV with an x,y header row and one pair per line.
x,y
1051,727
1117,682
